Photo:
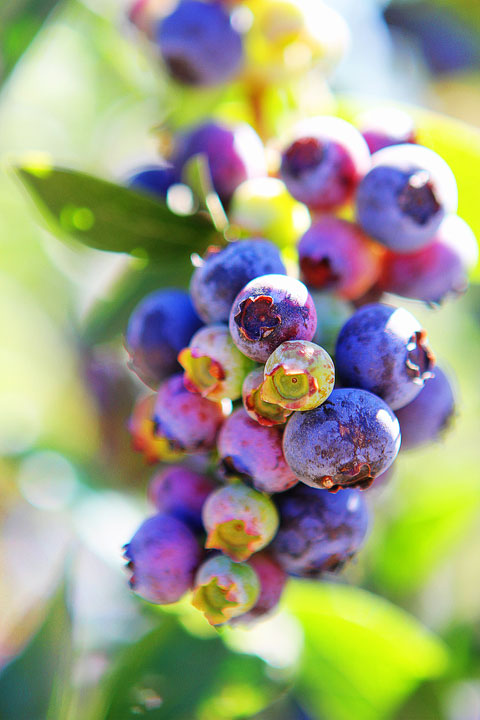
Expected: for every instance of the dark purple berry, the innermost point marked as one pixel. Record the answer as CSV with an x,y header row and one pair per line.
x,y
426,418
404,198
226,271
436,271
159,327
384,349
268,311
181,492
255,452
154,180
337,256
163,557
188,421
346,442
319,531
383,127
199,44
234,154
324,163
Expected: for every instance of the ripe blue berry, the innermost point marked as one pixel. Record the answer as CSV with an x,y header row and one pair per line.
x,y
181,492
255,452
268,311
405,196
154,180
163,556
225,589
159,327
324,163
337,256
189,422
346,442
199,44
239,521
226,271
319,531
436,271
384,349
426,418
233,154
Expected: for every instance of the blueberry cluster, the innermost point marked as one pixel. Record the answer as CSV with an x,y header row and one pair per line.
x,y
283,389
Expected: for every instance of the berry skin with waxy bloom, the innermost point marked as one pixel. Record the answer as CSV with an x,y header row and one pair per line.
x,y
337,256
319,531
436,271
145,439
346,442
265,413
181,492
299,375
163,557
426,418
199,44
325,162
226,271
384,349
189,422
255,452
213,366
405,196
234,154
239,521
159,327
224,589
268,311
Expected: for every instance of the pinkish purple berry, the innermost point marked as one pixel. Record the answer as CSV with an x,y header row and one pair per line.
x,y
181,492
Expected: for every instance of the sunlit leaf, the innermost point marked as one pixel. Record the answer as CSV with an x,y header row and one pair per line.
x,y
362,655
36,684
106,216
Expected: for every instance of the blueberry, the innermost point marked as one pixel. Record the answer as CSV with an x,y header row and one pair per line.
x,y
319,531
234,154
427,417
159,327
163,556
268,311
214,367
145,437
436,271
181,492
199,44
299,375
384,349
349,440
154,179
272,582
337,256
405,196
254,452
226,271
189,422
265,413
225,589
386,126
239,521
324,163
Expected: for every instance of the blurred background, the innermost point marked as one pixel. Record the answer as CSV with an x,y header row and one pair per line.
x,y
399,636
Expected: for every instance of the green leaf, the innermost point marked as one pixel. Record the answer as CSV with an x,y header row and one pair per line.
x,y
176,676
36,684
105,216
362,655
20,21
455,141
